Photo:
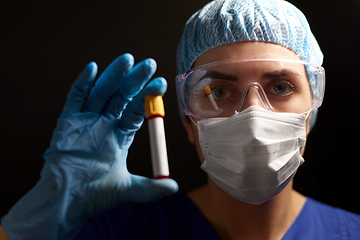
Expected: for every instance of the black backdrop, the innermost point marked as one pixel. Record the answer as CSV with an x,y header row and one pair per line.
x,y
45,45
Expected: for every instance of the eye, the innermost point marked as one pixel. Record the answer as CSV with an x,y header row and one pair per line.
x,y
219,92
283,89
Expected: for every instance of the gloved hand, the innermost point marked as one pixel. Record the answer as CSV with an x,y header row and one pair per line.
x,y
85,169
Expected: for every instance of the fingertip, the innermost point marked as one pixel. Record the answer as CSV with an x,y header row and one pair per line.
x,y
158,86
128,58
88,74
120,66
92,64
170,184
151,62
150,66
92,67
124,62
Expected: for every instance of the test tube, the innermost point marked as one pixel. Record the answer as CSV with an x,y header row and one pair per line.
x,y
154,110
207,90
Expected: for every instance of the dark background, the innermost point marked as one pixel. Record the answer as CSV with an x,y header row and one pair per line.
x,y
45,44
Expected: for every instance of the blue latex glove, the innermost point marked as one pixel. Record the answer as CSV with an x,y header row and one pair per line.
x,y
85,169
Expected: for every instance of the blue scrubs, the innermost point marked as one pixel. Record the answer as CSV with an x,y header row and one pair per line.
x,y
177,217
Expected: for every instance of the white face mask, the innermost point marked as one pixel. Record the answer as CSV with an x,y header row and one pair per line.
x,y
254,154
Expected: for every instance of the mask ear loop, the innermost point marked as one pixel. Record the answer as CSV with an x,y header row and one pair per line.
x,y
189,116
307,113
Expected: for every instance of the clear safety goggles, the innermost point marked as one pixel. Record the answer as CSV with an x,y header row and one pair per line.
x,y
224,88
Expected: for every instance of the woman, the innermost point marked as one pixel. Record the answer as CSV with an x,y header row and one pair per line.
x,y
249,85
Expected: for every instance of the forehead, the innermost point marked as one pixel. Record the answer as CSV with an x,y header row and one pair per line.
x,y
245,50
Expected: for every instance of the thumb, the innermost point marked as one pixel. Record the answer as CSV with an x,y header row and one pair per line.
x,y
145,189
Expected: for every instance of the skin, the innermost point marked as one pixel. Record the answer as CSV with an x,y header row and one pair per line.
x,y
231,218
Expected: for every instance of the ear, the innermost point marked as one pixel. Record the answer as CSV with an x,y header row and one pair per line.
x,y
189,126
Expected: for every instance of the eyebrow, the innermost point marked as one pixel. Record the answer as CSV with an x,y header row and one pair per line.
x,y
281,73
269,75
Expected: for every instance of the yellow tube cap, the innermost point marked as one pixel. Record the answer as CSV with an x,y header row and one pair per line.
x,y
207,90
154,106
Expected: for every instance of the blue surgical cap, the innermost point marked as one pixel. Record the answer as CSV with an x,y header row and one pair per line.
x,y
226,21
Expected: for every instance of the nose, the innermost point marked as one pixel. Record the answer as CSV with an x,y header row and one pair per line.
x,y
253,97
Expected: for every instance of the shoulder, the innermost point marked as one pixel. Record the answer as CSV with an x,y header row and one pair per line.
x,y
348,222
323,209
318,220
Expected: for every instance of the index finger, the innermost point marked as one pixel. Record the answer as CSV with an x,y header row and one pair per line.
x,y
108,83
